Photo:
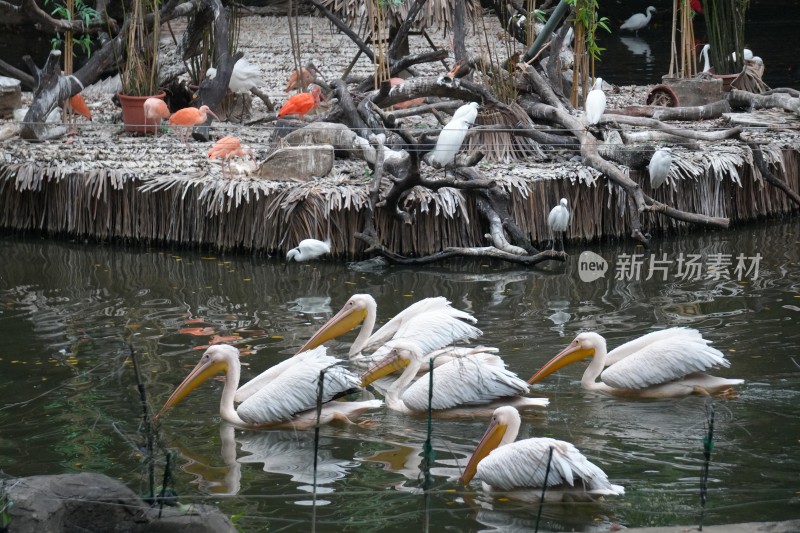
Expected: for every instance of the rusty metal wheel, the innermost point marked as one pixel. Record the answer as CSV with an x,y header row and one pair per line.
x,y
662,95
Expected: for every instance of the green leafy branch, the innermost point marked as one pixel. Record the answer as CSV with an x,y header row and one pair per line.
x,y
83,12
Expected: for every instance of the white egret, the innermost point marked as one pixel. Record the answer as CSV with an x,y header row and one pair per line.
x,y
663,364
659,167
558,219
704,55
245,76
452,135
595,103
638,21
284,395
504,464
309,249
472,384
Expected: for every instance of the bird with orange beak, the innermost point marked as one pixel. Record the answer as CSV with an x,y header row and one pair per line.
x,y
662,364
284,395
504,464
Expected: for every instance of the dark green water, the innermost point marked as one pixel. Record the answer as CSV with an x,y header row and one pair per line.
x,y
68,398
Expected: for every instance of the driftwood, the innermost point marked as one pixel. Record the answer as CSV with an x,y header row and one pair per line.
x,y
704,112
51,89
743,99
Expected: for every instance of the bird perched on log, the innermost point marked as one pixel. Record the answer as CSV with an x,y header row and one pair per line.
x,y
659,167
558,220
309,249
452,135
638,21
227,148
245,76
302,104
183,120
595,103
156,110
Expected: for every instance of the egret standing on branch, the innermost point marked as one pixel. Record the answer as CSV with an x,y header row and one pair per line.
x,y
638,21
595,103
452,135
558,220
659,167
704,55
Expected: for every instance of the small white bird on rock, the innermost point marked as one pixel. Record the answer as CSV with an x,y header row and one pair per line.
x,y
595,103
558,219
309,249
452,135
659,167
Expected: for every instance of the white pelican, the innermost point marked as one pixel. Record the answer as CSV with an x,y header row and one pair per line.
x,y
309,249
504,465
476,382
441,326
659,167
452,135
558,219
595,103
662,364
638,21
282,396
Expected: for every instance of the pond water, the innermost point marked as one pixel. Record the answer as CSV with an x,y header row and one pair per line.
x,y
631,58
71,312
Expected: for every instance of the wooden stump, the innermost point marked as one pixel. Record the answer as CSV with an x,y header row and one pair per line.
x,y
10,96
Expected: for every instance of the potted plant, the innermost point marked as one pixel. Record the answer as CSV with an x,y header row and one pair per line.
x,y
139,69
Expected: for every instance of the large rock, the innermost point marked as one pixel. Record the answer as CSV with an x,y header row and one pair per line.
x,y
298,163
94,502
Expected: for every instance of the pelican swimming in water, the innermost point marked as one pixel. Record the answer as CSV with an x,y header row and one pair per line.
x,y
505,465
463,385
285,395
442,325
663,364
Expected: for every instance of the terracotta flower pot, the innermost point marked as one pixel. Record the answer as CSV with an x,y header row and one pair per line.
x,y
133,114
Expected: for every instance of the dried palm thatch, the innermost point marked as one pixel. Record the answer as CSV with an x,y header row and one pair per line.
x,y
750,78
141,198
498,140
435,13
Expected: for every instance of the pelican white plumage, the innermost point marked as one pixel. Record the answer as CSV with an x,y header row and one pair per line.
x,y
473,384
309,249
505,465
452,135
595,103
662,364
284,395
704,55
442,325
638,21
558,219
659,167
